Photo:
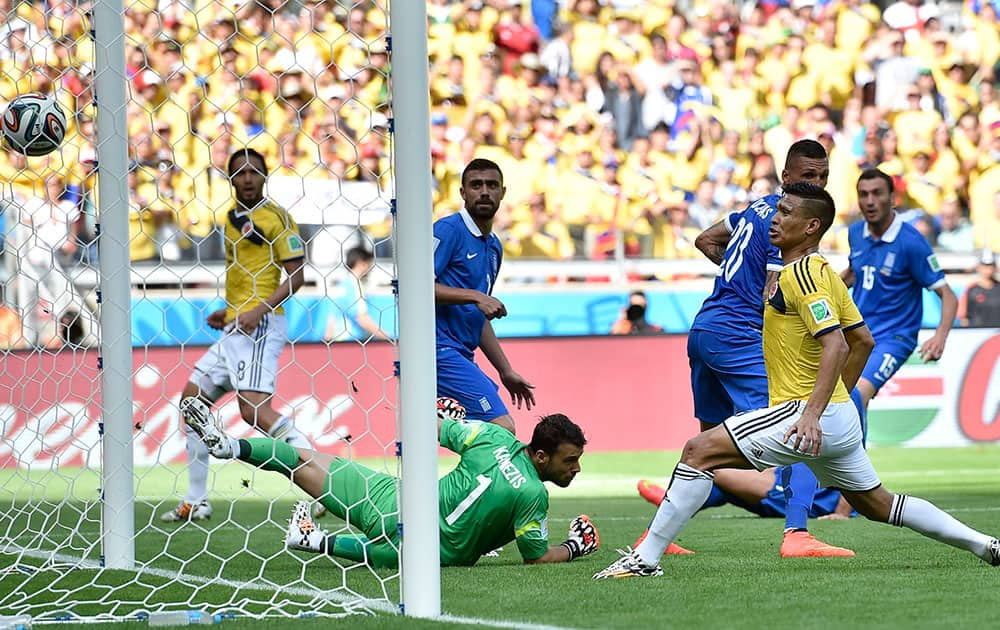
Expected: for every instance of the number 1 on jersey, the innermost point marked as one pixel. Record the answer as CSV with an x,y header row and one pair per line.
x,y
484,483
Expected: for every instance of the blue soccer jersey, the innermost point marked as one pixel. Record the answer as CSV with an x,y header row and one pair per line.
x,y
890,274
736,304
463,258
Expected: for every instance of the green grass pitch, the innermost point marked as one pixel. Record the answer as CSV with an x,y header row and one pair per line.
x,y
735,580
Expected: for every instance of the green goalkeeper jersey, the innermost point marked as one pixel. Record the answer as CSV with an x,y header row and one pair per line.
x,y
493,496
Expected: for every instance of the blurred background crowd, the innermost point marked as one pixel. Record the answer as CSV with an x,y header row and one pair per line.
x,y
619,123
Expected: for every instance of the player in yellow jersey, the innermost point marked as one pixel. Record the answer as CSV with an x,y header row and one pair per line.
x,y
264,262
815,347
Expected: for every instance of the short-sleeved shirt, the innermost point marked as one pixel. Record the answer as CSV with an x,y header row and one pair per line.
x,y
493,496
890,274
808,301
258,242
464,258
735,306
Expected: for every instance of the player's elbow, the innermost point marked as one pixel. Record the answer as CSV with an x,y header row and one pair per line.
x,y
704,242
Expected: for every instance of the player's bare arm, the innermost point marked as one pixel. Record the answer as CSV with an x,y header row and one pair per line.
x,y
847,275
294,279
807,433
519,388
491,307
713,242
933,348
860,341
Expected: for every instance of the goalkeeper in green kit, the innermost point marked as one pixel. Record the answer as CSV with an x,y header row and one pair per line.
x,y
494,495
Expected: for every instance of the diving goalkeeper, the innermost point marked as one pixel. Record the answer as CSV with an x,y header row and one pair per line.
x,y
494,495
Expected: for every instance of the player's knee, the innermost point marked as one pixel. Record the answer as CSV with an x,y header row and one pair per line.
x,y
697,452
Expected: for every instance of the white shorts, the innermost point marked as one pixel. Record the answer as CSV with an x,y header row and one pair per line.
x,y
842,462
243,361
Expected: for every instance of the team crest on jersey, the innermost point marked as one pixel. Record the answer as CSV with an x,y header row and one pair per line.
x,y
820,311
933,262
888,263
247,228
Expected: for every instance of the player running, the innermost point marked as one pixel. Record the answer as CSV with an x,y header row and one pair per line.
x,y
724,345
262,241
891,264
494,495
812,365
467,257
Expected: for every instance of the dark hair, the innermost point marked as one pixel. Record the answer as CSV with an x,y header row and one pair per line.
x,y
638,292
819,203
482,164
806,149
247,154
553,430
874,173
356,255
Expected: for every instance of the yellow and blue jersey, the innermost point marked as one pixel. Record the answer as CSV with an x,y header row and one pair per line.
x,y
258,243
890,274
808,301
464,258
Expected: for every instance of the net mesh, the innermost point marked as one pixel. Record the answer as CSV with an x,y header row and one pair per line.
x,y
306,85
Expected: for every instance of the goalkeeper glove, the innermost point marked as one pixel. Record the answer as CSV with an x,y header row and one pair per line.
x,y
583,537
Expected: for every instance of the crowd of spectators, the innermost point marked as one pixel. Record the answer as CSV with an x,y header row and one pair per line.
x,y
621,124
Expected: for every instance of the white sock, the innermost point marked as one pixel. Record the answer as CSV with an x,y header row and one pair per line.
x,y
925,518
197,454
689,487
284,429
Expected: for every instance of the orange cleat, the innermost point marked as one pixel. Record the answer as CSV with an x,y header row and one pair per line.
x,y
673,549
651,492
799,544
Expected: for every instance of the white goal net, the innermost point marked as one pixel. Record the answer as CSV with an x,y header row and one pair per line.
x,y
305,83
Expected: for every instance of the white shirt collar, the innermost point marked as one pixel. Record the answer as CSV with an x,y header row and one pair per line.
x,y
891,233
470,224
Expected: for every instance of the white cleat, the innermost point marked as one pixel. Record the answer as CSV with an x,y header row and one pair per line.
x,y
199,417
994,553
201,511
302,534
629,565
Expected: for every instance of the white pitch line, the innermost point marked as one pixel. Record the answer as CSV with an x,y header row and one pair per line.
x,y
371,604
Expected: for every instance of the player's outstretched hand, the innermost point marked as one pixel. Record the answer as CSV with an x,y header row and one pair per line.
x,y
808,437
216,319
520,389
932,349
583,537
491,307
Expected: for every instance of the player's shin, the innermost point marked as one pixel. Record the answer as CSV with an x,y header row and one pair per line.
x,y
800,488
925,518
197,455
268,454
689,488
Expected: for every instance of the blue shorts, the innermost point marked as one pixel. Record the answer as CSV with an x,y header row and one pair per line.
x,y
460,378
885,360
727,375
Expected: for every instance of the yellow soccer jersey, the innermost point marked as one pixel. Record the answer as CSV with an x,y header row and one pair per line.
x,y
808,301
257,243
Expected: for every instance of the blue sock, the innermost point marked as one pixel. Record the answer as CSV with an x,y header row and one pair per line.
x,y
715,498
800,488
859,403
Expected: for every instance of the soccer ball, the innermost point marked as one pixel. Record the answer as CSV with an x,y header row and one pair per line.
x,y
34,124
450,409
